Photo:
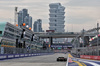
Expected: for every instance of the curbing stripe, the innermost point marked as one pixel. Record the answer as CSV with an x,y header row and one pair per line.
x,y
78,63
83,64
94,64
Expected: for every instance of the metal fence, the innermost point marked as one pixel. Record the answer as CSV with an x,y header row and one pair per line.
x,y
95,50
8,50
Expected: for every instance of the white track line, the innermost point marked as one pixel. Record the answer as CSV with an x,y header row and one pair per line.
x,y
94,64
67,60
89,60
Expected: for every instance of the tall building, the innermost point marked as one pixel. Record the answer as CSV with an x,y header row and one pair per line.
x,y
56,17
30,21
20,19
25,12
38,26
26,20
23,17
35,26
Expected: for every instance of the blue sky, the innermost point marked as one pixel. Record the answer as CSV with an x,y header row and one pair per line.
x,y
79,13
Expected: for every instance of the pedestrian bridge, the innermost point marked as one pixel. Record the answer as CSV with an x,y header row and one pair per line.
x,y
62,35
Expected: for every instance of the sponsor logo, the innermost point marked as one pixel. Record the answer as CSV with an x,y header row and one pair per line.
x,y
10,56
96,57
26,54
2,56
16,55
21,55
29,54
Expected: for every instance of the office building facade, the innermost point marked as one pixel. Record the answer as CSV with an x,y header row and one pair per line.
x,y
24,17
56,17
20,19
37,26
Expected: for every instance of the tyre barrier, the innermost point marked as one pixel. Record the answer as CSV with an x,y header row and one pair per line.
x,y
12,56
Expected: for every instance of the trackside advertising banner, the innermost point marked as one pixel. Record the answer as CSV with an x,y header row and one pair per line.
x,y
90,57
10,56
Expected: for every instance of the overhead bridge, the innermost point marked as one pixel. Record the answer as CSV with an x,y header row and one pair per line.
x,y
62,35
51,35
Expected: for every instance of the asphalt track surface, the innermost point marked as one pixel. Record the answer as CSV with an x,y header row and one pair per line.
x,y
45,60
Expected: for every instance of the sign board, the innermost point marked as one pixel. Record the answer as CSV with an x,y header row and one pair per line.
x,y
59,48
50,31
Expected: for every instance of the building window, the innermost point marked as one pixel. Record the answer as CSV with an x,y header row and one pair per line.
x,y
10,29
55,20
55,11
55,25
0,32
55,28
55,16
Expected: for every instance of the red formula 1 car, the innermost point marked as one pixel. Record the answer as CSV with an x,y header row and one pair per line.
x,y
61,59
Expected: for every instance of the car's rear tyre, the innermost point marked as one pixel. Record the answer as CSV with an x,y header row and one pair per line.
x,y
57,59
65,59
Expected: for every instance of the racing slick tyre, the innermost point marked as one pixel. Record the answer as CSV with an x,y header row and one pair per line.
x,y
57,59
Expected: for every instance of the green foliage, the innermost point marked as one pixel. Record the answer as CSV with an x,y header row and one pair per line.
x,y
72,40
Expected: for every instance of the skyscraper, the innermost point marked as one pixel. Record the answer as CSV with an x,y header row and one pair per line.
x,y
30,21
26,20
35,26
38,26
20,19
23,17
25,12
56,17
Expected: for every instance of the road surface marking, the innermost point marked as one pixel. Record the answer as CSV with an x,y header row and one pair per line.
x,y
83,64
69,55
67,60
94,64
78,63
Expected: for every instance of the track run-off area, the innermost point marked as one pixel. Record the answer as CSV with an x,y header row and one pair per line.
x,y
48,60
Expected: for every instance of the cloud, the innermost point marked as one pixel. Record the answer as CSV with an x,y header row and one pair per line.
x,y
79,27
79,20
78,12
78,17
45,26
83,11
90,3
81,15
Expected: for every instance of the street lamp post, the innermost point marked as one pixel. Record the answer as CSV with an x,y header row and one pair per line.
x,y
97,38
97,33
83,37
15,20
